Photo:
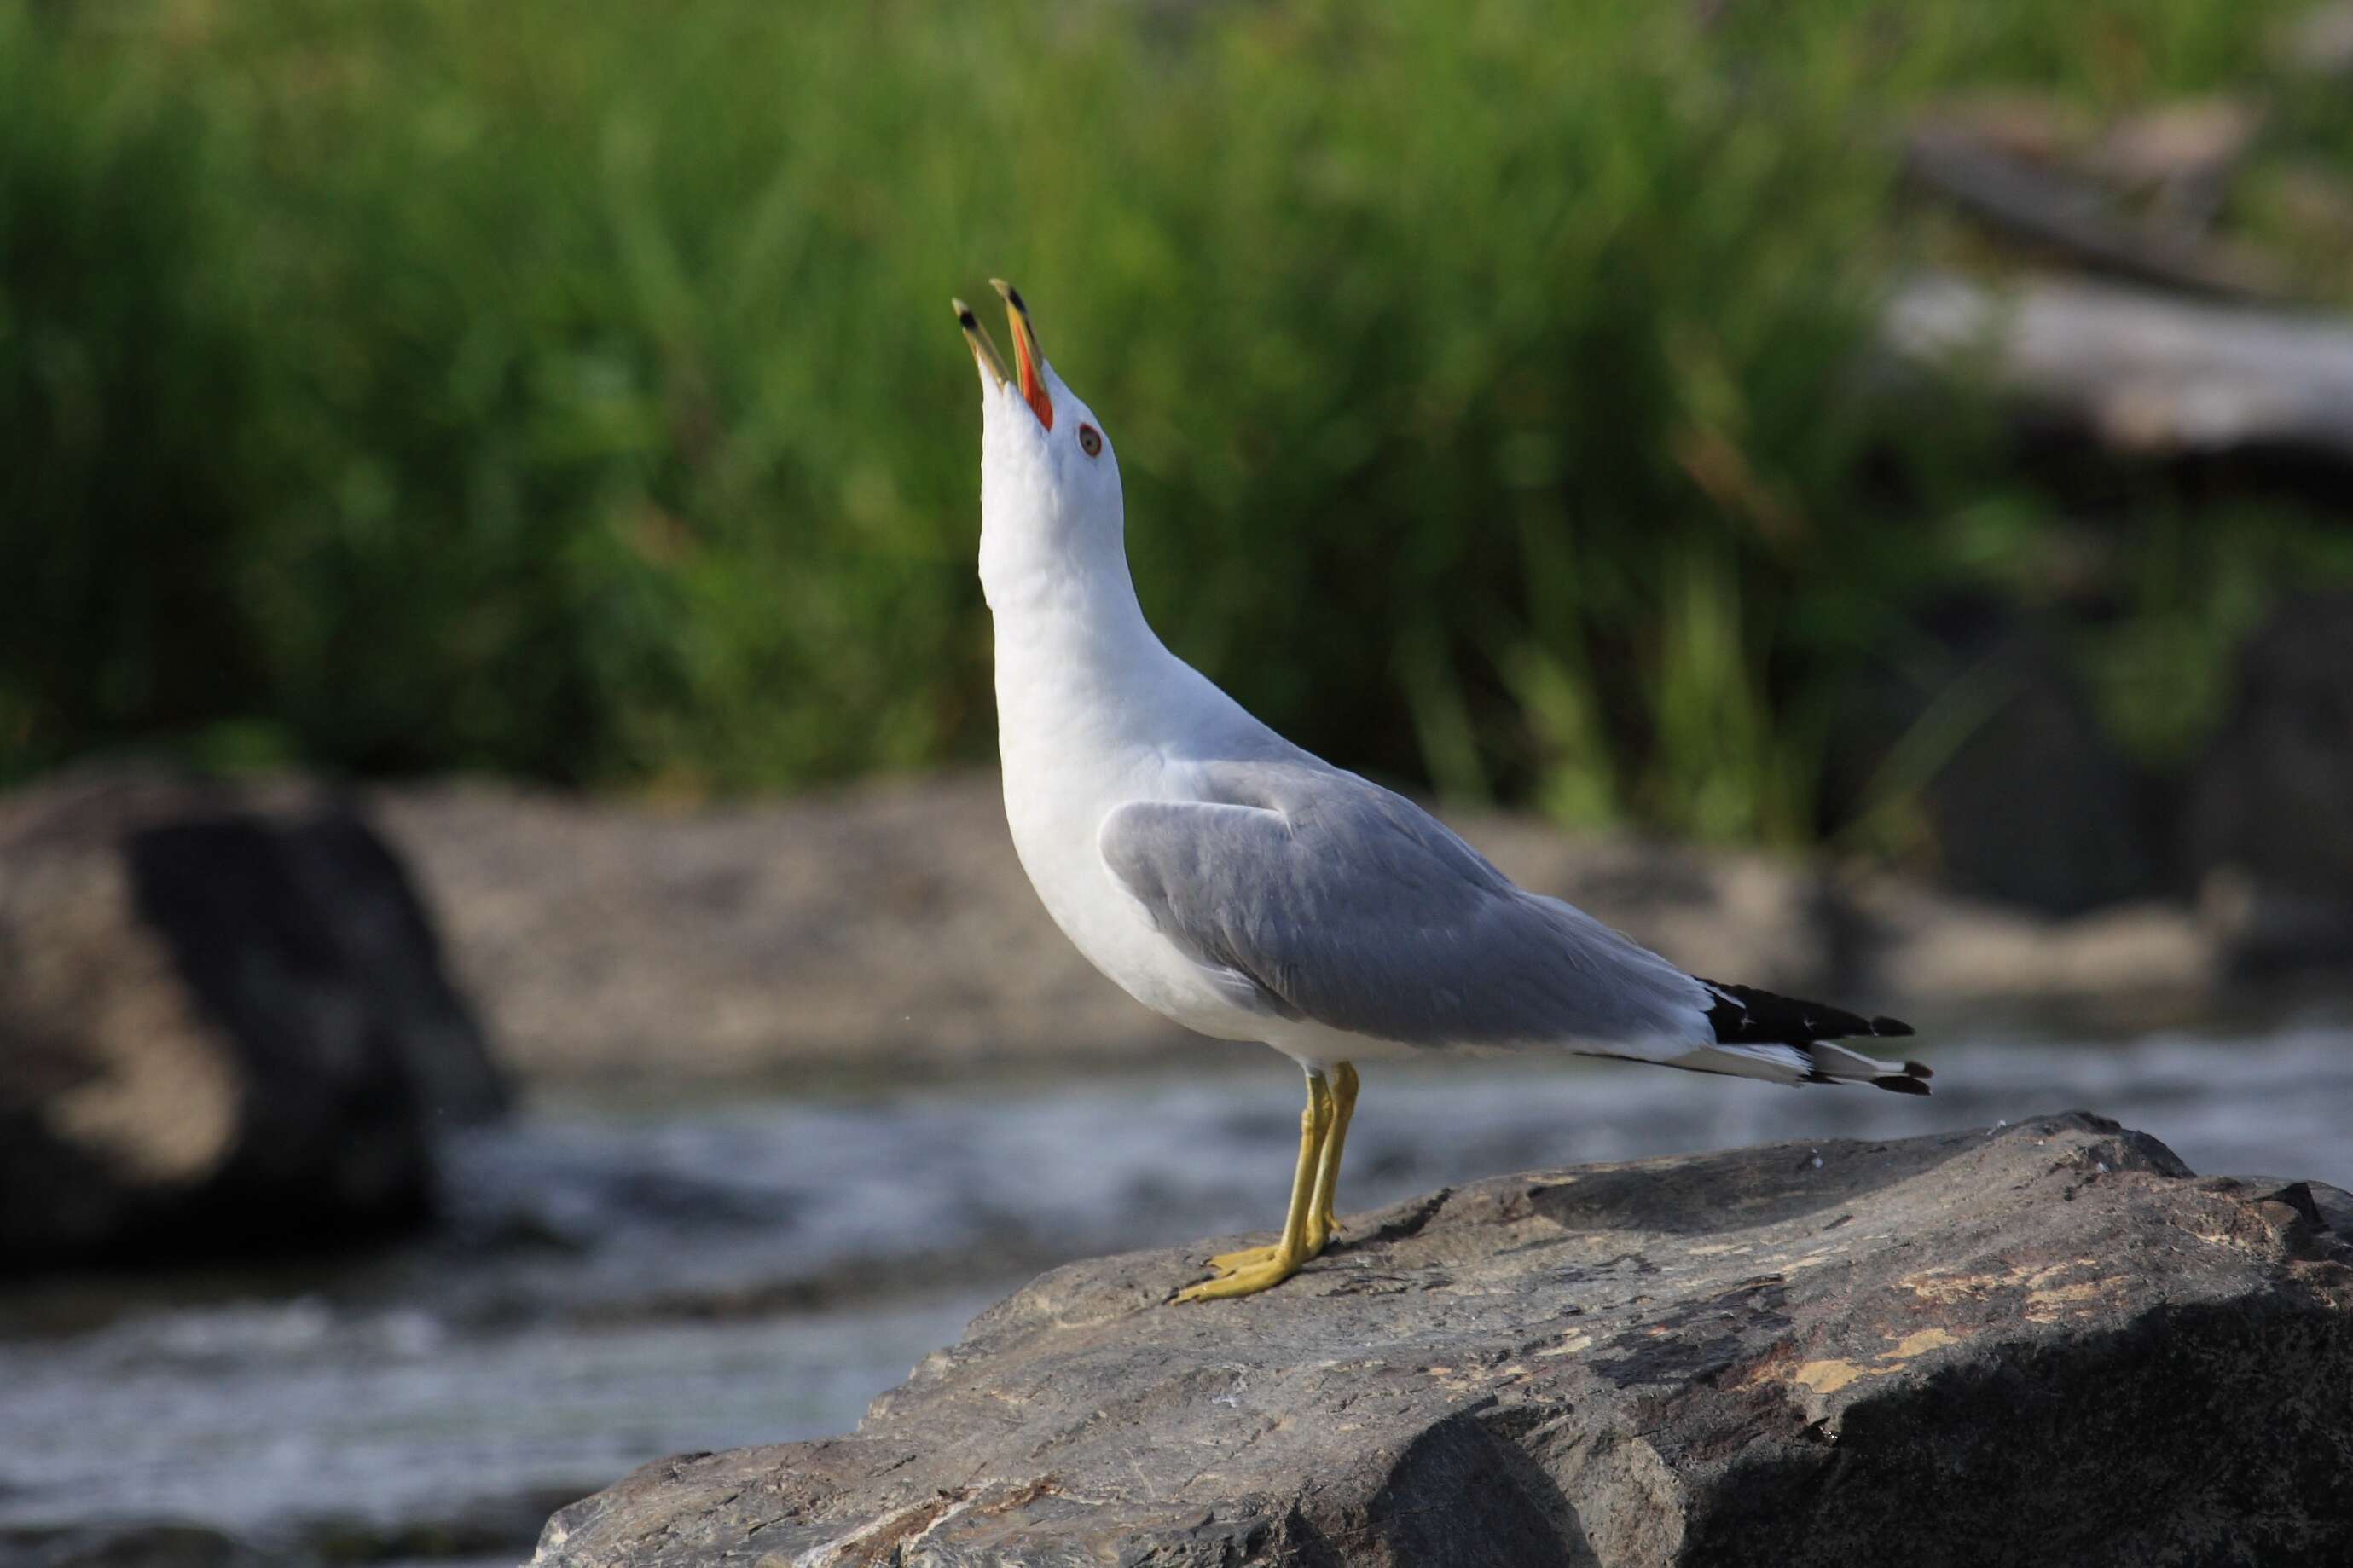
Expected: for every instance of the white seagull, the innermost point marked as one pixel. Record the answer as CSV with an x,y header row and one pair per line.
x,y
1234,883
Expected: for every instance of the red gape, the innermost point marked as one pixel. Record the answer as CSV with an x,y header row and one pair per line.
x,y
1033,389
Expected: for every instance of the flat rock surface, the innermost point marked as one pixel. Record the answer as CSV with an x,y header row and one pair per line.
x,y
2046,1343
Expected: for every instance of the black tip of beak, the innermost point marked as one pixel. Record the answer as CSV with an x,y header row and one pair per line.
x,y
966,320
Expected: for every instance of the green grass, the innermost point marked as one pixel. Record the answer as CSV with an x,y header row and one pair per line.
x,y
571,393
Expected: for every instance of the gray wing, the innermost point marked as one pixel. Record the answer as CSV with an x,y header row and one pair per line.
x,y
1333,900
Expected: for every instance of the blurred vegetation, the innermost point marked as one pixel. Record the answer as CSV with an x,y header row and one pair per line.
x,y
570,392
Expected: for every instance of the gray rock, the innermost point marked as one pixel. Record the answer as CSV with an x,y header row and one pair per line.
x,y
224,1023
2042,1343
2266,811
1987,750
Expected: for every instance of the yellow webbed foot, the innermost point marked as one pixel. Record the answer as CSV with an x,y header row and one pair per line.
x,y
1249,1256
1258,1257
1309,1225
1248,1281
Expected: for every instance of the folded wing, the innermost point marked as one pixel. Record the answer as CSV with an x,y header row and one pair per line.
x,y
1305,893
1344,903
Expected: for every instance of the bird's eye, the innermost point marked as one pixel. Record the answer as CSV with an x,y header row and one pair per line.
x,y
1089,441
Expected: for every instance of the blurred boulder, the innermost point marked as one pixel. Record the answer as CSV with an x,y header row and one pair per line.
x,y
2269,828
2022,796
2262,930
2142,964
224,1023
2045,1342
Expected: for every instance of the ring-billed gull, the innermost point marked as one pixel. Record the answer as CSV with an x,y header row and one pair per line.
x,y
1236,884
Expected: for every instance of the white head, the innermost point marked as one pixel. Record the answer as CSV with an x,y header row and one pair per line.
x,y
1049,495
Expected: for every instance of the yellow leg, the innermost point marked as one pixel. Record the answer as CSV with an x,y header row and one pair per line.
x,y
1258,1269
1323,1223
1319,1108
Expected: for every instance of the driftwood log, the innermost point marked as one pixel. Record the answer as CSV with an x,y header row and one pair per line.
x,y
2080,215
2143,371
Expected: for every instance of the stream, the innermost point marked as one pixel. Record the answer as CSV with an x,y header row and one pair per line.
x,y
621,1278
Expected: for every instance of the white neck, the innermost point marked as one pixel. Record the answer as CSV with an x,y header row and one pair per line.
x,y
1079,579
1077,663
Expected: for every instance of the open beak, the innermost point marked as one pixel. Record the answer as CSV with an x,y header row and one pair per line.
x,y
992,368
1026,355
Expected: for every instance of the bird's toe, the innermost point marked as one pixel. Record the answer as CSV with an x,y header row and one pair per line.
x,y
1246,1258
1244,1281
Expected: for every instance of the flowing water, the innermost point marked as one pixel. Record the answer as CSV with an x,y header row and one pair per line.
x,y
620,1279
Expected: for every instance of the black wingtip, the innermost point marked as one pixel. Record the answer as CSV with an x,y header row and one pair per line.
x,y
1743,1015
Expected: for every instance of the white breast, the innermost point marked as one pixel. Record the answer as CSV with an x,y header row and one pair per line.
x,y
1078,738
